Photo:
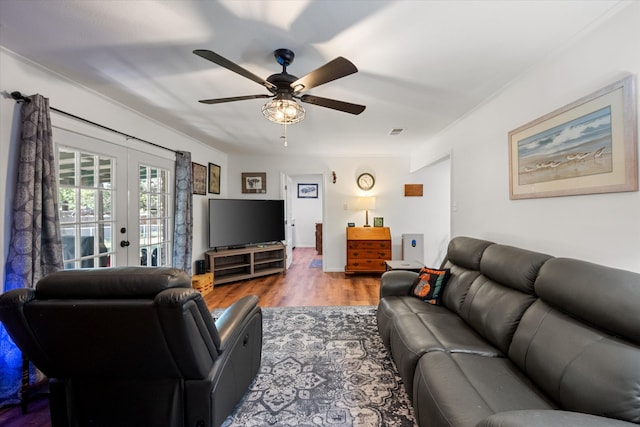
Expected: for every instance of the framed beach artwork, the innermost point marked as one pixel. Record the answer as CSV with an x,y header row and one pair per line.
x,y
587,147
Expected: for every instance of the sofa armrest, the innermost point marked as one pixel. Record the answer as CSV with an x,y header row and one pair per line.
x,y
549,418
234,317
396,283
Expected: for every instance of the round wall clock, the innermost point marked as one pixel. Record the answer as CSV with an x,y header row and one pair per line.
x,y
366,181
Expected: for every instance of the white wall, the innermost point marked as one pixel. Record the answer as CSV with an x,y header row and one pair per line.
x,y
432,214
599,228
17,74
401,214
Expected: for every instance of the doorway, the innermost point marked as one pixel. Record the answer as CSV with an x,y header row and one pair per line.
x,y
305,207
115,203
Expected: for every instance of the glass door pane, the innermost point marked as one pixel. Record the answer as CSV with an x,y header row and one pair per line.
x,y
85,197
154,218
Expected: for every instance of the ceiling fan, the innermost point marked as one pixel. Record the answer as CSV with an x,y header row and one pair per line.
x,y
286,88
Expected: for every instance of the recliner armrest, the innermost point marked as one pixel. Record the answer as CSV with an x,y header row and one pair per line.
x,y
12,306
397,283
233,317
549,418
16,298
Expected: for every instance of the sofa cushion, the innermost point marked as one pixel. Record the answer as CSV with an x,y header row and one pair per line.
x,y
497,299
430,284
578,343
460,279
583,290
390,307
580,367
433,329
458,389
514,267
463,261
466,252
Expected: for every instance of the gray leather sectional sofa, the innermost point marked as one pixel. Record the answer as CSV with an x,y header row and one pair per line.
x,y
521,339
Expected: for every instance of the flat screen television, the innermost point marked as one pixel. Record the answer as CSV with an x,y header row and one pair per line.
x,y
244,222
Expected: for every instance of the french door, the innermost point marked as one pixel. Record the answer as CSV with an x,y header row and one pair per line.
x,y
115,203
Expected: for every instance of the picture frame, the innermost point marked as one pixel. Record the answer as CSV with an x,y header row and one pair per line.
x,y
214,178
378,221
307,191
254,182
586,147
199,178
413,190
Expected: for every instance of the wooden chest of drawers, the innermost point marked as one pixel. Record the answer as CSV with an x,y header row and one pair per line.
x,y
367,249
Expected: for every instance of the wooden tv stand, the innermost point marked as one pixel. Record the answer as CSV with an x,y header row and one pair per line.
x,y
231,265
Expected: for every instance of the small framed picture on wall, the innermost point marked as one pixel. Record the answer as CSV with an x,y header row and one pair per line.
x,y
199,177
214,179
254,182
307,191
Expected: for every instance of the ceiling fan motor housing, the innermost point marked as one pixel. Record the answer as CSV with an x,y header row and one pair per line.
x,y
282,81
284,56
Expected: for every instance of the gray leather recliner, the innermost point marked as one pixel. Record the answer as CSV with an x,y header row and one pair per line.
x,y
135,346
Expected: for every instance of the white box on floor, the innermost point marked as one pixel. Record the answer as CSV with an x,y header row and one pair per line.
x,y
413,247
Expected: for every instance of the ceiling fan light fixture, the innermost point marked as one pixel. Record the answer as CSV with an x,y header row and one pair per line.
x,y
283,111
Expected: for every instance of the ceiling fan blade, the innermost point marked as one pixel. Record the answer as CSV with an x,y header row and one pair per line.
x,y
347,107
224,62
233,98
332,70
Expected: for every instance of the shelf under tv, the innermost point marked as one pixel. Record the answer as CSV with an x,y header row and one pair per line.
x,y
232,265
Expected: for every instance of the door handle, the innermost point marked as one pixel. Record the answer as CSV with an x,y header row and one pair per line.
x,y
124,243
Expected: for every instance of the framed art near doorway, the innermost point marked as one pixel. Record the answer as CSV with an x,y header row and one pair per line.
x,y
307,191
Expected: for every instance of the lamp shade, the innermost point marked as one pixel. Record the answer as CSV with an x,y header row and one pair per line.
x,y
364,203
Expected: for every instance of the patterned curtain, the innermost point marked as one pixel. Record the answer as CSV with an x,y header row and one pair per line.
x,y
35,249
183,215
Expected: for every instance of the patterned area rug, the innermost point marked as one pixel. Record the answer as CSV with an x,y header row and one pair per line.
x,y
323,366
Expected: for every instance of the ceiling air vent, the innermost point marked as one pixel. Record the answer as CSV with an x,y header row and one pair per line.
x,y
396,131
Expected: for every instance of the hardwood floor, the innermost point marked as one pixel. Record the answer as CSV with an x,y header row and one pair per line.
x,y
300,286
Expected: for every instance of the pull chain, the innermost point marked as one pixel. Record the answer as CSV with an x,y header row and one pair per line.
x,y
284,133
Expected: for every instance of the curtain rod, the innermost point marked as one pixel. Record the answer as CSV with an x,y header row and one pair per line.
x,y
21,98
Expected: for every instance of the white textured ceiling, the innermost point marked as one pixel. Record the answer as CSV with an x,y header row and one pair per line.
x,y
422,64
